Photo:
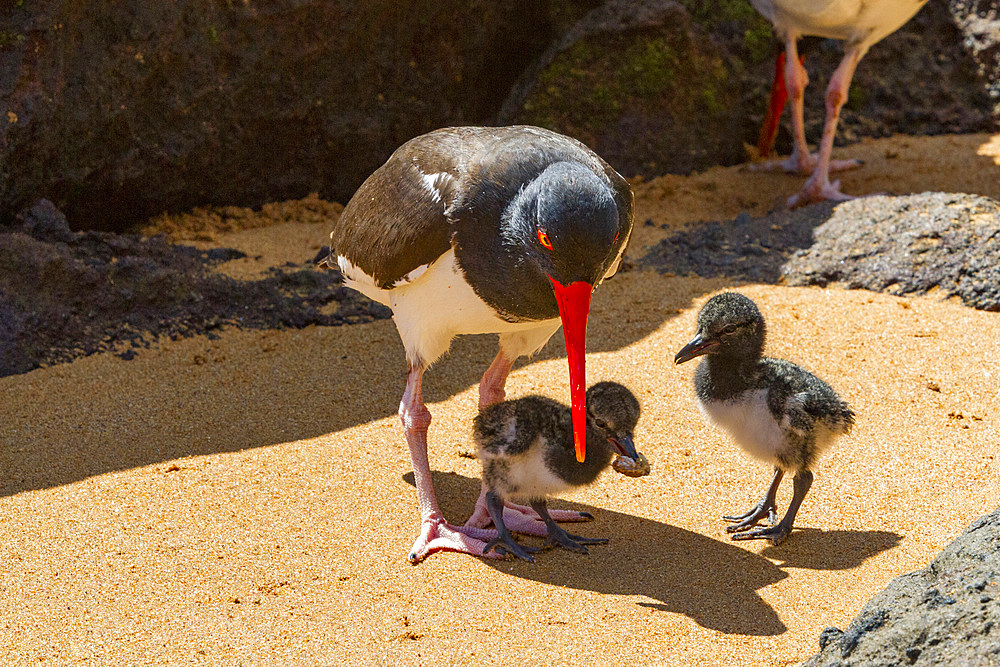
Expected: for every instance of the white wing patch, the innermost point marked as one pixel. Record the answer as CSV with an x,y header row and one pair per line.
x,y
432,182
357,279
411,276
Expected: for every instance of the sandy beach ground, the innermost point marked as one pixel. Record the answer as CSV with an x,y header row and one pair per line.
x,y
248,500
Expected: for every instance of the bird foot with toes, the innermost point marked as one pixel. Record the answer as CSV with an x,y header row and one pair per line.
x,y
750,519
573,542
776,534
439,535
509,547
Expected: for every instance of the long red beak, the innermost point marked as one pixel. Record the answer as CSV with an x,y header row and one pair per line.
x,y
574,306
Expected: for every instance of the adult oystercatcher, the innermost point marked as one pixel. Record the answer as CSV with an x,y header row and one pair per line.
x,y
860,23
470,230
526,450
775,410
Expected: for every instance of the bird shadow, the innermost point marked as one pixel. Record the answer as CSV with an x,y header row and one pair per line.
x,y
712,582
815,549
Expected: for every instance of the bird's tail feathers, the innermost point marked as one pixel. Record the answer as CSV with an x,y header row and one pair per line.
x,y
844,421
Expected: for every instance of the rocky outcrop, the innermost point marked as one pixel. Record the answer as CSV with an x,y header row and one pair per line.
x,y
66,294
945,614
659,86
907,245
979,22
116,111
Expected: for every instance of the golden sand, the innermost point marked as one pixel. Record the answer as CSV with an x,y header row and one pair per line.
x,y
248,500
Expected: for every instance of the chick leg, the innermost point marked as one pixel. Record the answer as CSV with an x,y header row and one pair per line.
x,y
777,534
504,542
765,508
519,518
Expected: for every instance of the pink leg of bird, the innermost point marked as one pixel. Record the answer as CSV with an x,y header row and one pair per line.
x,y
801,161
818,187
436,534
491,387
519,518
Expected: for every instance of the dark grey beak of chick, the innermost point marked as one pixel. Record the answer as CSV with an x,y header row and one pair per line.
x,y
698,346
625,446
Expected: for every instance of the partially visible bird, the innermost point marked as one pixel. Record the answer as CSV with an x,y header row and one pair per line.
x,y
860,23
775,410
471,230
526,449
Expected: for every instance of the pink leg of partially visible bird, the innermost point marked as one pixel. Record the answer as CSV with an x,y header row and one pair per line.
x,y
818,187
436,534
801,161
519,518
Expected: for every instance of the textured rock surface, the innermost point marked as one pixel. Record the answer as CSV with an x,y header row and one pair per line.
x,y
913,244
65,294
979,21
680,86
119,111
908,245
945,614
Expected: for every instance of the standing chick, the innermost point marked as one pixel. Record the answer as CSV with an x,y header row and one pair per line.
x,y
526,450
775,410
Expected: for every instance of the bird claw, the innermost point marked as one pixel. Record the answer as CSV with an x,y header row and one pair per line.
x,y
508,547
572,542
813,193
751,518
776,534
439,535
523,519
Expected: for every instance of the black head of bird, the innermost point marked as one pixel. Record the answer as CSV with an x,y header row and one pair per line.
x,y
567,225
615,411
730,327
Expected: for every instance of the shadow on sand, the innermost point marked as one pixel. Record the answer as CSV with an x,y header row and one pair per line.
x,y
711,581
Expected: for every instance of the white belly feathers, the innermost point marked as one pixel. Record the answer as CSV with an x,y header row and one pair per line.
x,y
750,423
439,289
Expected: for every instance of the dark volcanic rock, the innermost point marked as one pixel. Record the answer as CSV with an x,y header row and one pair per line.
x,y
979,21
117,111
654,86
908,245
673,86
901,245
65,295
945,614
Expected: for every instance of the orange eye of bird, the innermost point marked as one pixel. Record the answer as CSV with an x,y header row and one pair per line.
x,y
543,238
616,237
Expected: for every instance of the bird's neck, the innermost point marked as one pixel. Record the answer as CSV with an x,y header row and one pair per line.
x,y
599,455
724,377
